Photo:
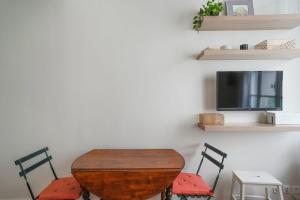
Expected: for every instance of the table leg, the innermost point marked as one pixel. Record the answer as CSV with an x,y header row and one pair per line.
x,y
169,193
85,195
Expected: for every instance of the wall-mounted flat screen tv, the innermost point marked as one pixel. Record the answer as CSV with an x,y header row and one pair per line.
x,y
249,90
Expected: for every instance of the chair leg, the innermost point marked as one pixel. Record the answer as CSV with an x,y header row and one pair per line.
x,y
163,195
169,193
86,195
183,197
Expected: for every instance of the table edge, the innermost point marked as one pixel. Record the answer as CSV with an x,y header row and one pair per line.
x,y
128,169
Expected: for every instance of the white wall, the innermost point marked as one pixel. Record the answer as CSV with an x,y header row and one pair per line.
x,y
77,75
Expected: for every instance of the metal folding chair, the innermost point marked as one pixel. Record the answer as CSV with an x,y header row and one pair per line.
x,y
193,185
66,188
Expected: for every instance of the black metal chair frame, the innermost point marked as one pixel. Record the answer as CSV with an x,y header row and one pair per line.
x,y
219,164
23,172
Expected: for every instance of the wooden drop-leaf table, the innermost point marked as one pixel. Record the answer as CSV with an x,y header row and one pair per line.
x,y
128,174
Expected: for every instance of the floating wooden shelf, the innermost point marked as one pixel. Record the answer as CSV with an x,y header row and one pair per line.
x,y
252,54
255,127
252,22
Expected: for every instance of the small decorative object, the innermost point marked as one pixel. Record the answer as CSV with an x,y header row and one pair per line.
x,y
289,45
244,47
212,8
276,44
283,118
211,119
239,7
226,47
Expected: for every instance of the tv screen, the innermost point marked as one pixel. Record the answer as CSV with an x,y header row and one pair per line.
x,y
249,90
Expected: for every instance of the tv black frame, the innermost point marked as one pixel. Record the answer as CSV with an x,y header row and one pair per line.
x,y
248,109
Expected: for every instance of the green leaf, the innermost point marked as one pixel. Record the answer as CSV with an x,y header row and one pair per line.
x,y
211,8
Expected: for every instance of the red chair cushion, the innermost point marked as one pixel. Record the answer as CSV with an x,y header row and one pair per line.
x,y
191,184
62,188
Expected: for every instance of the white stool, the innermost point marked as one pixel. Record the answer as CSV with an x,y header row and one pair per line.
x,y
259,178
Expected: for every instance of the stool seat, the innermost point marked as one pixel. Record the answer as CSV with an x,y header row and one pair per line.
x,y
61,189
191,184
256,178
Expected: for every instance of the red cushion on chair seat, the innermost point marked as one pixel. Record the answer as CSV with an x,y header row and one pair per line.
x,y
191,184
62,188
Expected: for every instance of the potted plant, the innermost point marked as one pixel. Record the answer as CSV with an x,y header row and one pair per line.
x,y
212,8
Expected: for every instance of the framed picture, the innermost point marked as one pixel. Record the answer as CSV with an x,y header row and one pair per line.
x,y
239,7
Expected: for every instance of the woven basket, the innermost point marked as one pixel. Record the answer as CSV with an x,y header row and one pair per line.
x,y
276,44
211,119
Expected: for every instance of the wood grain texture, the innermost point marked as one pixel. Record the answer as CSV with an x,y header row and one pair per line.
x,y
102,159
251,22
211,119
255,127
123,174
252,54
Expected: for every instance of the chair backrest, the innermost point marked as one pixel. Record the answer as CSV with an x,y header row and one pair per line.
x,y
219,164
24,171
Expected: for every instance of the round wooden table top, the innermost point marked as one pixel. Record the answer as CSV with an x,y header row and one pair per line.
x,y
123,174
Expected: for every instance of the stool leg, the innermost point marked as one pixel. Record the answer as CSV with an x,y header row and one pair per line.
x,y
267,197
232,187
280,192
242,192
